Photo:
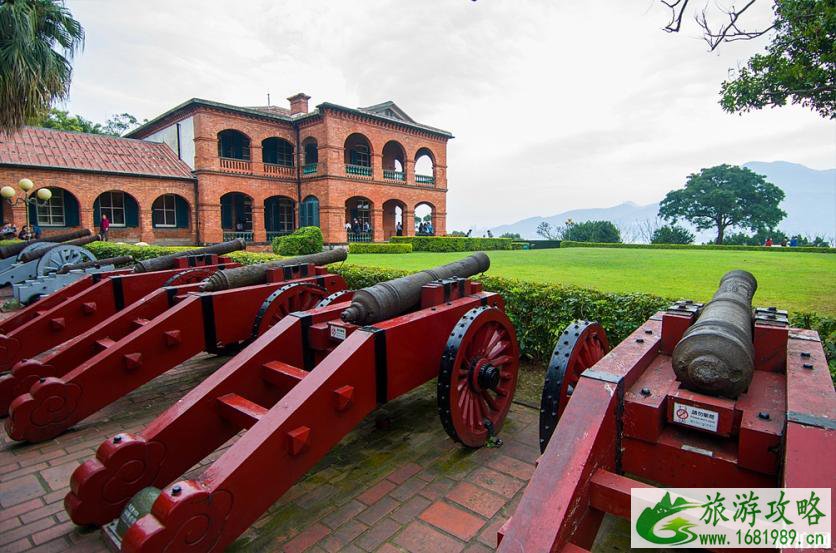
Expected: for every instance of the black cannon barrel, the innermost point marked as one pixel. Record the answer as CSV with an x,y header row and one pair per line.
x,y
37,254
14,249
250,275
716,355
116,261
164,262
388,299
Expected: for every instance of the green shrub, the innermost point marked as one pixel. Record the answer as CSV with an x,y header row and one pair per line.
x,y
104,250
672,234
370,247
541,311
572,244
592,231
303,241
453,243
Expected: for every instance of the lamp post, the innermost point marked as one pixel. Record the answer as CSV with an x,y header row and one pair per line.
x,y
8,193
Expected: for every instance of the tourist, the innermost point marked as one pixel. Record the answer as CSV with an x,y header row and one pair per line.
x,y
8,231
399,229
104,226
429,229
347,227
25,233
784,243
366,226
794,242
768,242
355,225
37,231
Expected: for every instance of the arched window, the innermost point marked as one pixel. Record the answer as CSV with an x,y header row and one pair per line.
x,y
424,225
309,212
277,151
121,209
279,216
237,212
61,210
358,155
393,161
424,167
233,144
311,156
170,211
358,218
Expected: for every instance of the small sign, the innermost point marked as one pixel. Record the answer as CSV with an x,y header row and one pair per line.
x,y
697,417
338,332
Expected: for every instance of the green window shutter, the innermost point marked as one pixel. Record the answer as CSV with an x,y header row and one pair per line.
x,y
71,210
131,212
97,218
33,215
182,212
226,213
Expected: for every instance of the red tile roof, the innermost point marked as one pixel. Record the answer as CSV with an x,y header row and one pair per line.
x,y
90,152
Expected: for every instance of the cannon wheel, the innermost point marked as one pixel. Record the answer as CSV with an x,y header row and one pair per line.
x,y
478,376
34,247
298,296
61,255
581,345
189,276
342,295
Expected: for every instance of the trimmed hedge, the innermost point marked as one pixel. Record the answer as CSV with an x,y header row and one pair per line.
x,y
543,244
807,249
371,247
303,241
453,243
104,250
540,311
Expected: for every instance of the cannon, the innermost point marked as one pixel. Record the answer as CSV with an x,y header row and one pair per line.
x,y
40,258
250,275
12,250
119,260
612,421
59,317
145,339
294,393
170,261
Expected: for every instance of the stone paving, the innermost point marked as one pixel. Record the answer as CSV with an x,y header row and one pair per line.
x,y
397,483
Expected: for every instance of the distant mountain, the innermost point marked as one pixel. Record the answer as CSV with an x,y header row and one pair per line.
x,y
810,204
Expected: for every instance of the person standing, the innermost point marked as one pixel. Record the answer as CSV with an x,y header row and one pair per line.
x,y
104,226
399,229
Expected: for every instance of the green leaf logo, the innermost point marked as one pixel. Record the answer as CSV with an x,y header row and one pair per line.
x,y
681,528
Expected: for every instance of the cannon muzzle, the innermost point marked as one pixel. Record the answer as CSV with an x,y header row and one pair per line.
x,y
716,355
250,275
388,299
164,262
14,249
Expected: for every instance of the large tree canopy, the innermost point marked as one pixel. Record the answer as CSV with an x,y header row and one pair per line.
x,y
725,196
62,120
37,41
798,66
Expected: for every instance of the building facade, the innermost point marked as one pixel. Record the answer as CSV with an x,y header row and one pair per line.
x,y
204,172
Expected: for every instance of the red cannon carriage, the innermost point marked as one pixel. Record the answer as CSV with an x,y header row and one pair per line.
x,y
152,335
295,392
762,389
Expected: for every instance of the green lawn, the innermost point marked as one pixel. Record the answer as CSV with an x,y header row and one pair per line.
x,y
794,281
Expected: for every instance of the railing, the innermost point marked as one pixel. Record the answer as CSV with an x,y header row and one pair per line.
x,y
236,165
359,236
358,170
247,236
309,169
279,170
275,233
424,179
393,175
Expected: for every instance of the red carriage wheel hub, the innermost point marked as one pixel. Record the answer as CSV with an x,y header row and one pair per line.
x,y
299,296
478,376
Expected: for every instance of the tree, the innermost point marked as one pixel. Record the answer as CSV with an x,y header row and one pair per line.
x,y
512,235
592,231
38,38
62,120
725,196
122,123
549,232
672,234
798,66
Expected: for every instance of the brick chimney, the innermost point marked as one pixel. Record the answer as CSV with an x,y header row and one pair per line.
x,y
299,103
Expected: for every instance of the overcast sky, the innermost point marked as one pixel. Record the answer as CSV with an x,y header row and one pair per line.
x,y
555,105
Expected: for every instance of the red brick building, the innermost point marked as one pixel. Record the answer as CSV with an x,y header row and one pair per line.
x,y
204,172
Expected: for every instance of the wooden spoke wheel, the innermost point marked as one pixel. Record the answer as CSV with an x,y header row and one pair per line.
x,y
63,254
580,346
189,276
342,295
478,376
299,296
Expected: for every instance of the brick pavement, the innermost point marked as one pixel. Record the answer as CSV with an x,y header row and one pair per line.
x,y
400,486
